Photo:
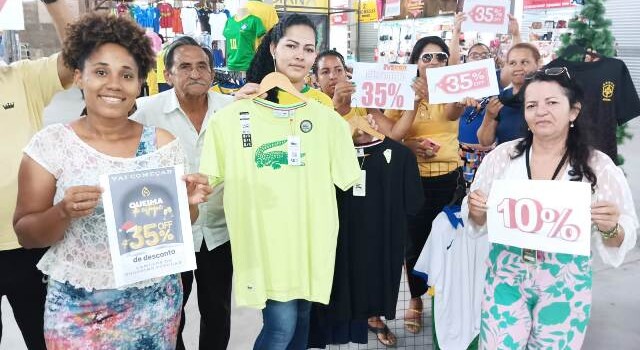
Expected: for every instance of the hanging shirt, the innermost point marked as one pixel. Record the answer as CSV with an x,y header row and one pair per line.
x,y
241,36
454,264
610,98
189,18
217,22
156,18
156,42
282,217
177,21
166,15
203,18
267,13
218,58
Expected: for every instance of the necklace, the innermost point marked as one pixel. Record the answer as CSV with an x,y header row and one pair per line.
x,y
558,167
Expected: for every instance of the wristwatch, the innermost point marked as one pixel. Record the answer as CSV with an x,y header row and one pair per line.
x,y
46,2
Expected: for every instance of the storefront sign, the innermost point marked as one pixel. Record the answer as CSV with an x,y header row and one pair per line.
x,y
368,11
552,216
486,16
392,8
11,15
545,4
385,86
454,83
307,6
148,224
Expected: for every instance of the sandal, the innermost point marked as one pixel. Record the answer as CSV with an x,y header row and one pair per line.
x,y
413,324
384,335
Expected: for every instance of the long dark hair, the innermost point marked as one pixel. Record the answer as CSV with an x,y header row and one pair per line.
x,y
262,63
578,149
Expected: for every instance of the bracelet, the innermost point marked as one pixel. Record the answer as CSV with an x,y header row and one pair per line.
x,y
611,233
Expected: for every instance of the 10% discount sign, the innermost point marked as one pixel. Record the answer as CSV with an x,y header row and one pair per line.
x,y
454,83
552,216
385,86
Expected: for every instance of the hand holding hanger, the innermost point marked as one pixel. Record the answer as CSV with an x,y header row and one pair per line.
x,y
366,125
277,80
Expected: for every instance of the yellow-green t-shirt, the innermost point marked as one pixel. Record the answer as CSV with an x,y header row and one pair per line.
x,y
267,13
286,98
282,219
160,67
26,87
431,122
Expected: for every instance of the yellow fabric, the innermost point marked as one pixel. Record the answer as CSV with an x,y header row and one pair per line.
x,y
26,87
355,111
267,14
222,90
286,98
431,122
152,83
282,218
160,68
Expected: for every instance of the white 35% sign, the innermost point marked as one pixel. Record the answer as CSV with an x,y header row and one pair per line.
x,y
453,83
386,86
552,216
486,16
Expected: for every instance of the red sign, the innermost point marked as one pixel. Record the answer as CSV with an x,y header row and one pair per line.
x,y
545,4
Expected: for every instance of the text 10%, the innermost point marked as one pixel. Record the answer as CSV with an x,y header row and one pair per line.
x,y
528,215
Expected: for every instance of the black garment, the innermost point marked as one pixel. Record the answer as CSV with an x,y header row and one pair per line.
x,y
25,289
610,98
203,17
370,247
213,277
438,192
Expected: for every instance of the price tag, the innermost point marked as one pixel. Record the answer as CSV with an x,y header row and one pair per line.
x,y
385,86
552,216
453,83
360,189
294,151
489,16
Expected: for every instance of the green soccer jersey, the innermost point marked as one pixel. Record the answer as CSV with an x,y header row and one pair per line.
x,y
241,36
282,218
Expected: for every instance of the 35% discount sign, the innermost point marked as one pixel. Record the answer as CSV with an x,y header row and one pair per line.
x,y
134,237
552,216
486,16
386,86
454,83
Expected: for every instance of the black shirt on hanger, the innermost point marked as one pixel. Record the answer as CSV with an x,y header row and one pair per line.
x,y
203,17
610,98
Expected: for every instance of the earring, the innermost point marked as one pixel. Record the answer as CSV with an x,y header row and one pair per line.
x,y
571,124
275,69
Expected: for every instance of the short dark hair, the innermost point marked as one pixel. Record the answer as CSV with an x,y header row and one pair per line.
x,y
169,55
326,53
94,30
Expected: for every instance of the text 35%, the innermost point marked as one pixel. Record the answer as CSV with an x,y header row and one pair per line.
x,y
461,82
150,235
377,94
528,215
487,14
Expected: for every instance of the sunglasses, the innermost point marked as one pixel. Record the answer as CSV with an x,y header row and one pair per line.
x,y
552,72
479,55
440,56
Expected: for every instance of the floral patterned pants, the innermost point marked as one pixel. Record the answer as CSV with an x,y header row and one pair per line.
x,y
543,305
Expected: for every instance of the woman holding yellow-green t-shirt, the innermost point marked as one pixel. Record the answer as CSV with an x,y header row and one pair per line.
x,y
433,138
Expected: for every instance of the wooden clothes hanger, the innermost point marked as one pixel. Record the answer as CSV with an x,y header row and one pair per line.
x,y
278,80
360,122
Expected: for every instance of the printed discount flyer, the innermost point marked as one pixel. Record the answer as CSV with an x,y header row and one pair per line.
x,y
148,223
454,83
552,216
385,86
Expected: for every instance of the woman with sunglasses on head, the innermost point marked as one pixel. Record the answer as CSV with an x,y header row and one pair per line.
x,y
538,299
503,120
433,139
59,201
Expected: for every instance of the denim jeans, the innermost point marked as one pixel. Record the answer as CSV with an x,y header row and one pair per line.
x,y
285,325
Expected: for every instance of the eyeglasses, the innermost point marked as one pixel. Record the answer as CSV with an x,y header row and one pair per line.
x,y
479,55
440,56
553,72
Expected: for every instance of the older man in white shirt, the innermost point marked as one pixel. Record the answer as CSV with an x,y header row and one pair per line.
x,y
184,111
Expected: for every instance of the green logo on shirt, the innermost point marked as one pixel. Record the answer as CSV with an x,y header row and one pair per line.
x,y
274,159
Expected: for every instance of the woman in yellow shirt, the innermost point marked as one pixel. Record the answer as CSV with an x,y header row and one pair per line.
x,y
433,138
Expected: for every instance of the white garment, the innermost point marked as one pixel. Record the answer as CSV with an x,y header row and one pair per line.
x,y
189,18
456,265
217,22
163,110
611,186
82,258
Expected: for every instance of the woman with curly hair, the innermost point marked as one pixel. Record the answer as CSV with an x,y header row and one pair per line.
x,y
59,201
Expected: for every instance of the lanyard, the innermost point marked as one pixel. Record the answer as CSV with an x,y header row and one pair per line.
x,y
555,173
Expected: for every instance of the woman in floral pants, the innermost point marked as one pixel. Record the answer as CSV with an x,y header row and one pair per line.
x,y
535,299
